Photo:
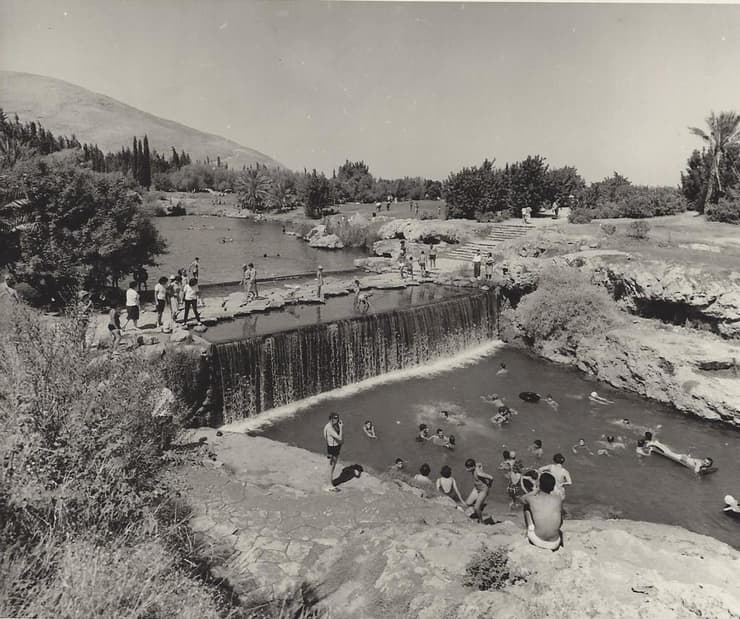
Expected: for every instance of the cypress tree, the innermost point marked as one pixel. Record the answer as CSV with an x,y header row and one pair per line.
x,y
146,177
135,164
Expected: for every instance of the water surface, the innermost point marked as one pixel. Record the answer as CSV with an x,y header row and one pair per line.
x,y
224,244
623,485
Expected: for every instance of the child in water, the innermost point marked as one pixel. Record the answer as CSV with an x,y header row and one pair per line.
x,y
369,429
423,433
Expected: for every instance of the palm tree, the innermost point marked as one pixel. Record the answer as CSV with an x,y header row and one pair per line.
x,y
253,186
724,130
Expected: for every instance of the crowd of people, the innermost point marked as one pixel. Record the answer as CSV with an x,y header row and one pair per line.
x,y
540,490
407,262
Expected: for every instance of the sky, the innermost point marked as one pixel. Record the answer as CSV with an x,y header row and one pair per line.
x,y
410,88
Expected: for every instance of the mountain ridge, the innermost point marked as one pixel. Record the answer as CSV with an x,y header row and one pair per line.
x,y
65,109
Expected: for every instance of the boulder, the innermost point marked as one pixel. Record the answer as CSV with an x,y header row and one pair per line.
x,y
328,241
315,232
180,336
433,230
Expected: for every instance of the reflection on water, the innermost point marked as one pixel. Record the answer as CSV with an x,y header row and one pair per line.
x,y
264,244
620,485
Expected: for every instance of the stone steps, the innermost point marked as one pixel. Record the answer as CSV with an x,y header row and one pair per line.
x,y
498,234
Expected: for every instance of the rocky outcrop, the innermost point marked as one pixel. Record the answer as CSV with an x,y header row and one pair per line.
x,y
327,241
433,230
375,550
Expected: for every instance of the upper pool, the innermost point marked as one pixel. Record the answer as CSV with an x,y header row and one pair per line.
x,y
224,244
623,485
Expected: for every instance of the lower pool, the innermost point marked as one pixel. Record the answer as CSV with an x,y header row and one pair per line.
x,y
622,485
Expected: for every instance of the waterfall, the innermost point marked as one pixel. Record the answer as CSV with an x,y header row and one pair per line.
x,y
254,375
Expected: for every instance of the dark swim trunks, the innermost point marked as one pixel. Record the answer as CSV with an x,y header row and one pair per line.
x,y
132,312
332,451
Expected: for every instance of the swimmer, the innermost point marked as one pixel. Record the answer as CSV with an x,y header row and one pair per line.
x,y
493,399
369,429
536,449
597,399
439,438
608,441
502,370
731,504
422,477
502,416
561,474
447,485
642,449
451,418
698,465
398,464
482,483
551,402
581,445
450,444
445,415
423,433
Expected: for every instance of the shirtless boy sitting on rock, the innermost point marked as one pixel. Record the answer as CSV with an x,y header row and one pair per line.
x,y
543,515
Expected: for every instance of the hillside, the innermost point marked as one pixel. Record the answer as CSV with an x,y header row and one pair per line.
x,y
94,118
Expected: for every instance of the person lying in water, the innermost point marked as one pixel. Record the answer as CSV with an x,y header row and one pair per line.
x,y
369,429
502,370
543,515
698,465
550,401
596,398
452,418
731,505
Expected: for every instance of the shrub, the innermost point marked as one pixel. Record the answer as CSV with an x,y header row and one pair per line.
x,y
354,232
489,569
726,210
580,215
638,230
565,308
608,229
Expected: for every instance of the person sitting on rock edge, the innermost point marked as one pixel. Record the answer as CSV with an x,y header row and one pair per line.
x,y
422,476
543,515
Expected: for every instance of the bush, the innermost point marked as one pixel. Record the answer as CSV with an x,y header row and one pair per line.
x,y
608,229
580,215
489,569
565,308
726,210
638,230
354,233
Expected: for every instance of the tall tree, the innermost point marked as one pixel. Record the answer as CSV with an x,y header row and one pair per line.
x,y
146,168
135,165
253,187
723,131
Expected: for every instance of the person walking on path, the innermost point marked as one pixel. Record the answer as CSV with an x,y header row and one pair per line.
x,y
432,257
114,326
476,264
160,299
174,291
320,283
194,269
423,264
251,282
132,306
334,437
489,266
245,279
191,300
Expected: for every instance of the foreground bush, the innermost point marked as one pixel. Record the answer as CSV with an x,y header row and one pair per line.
x,y
83,502
727,210
565,308
489,570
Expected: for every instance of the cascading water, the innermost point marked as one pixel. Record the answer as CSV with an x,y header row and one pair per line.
x,y
254,375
